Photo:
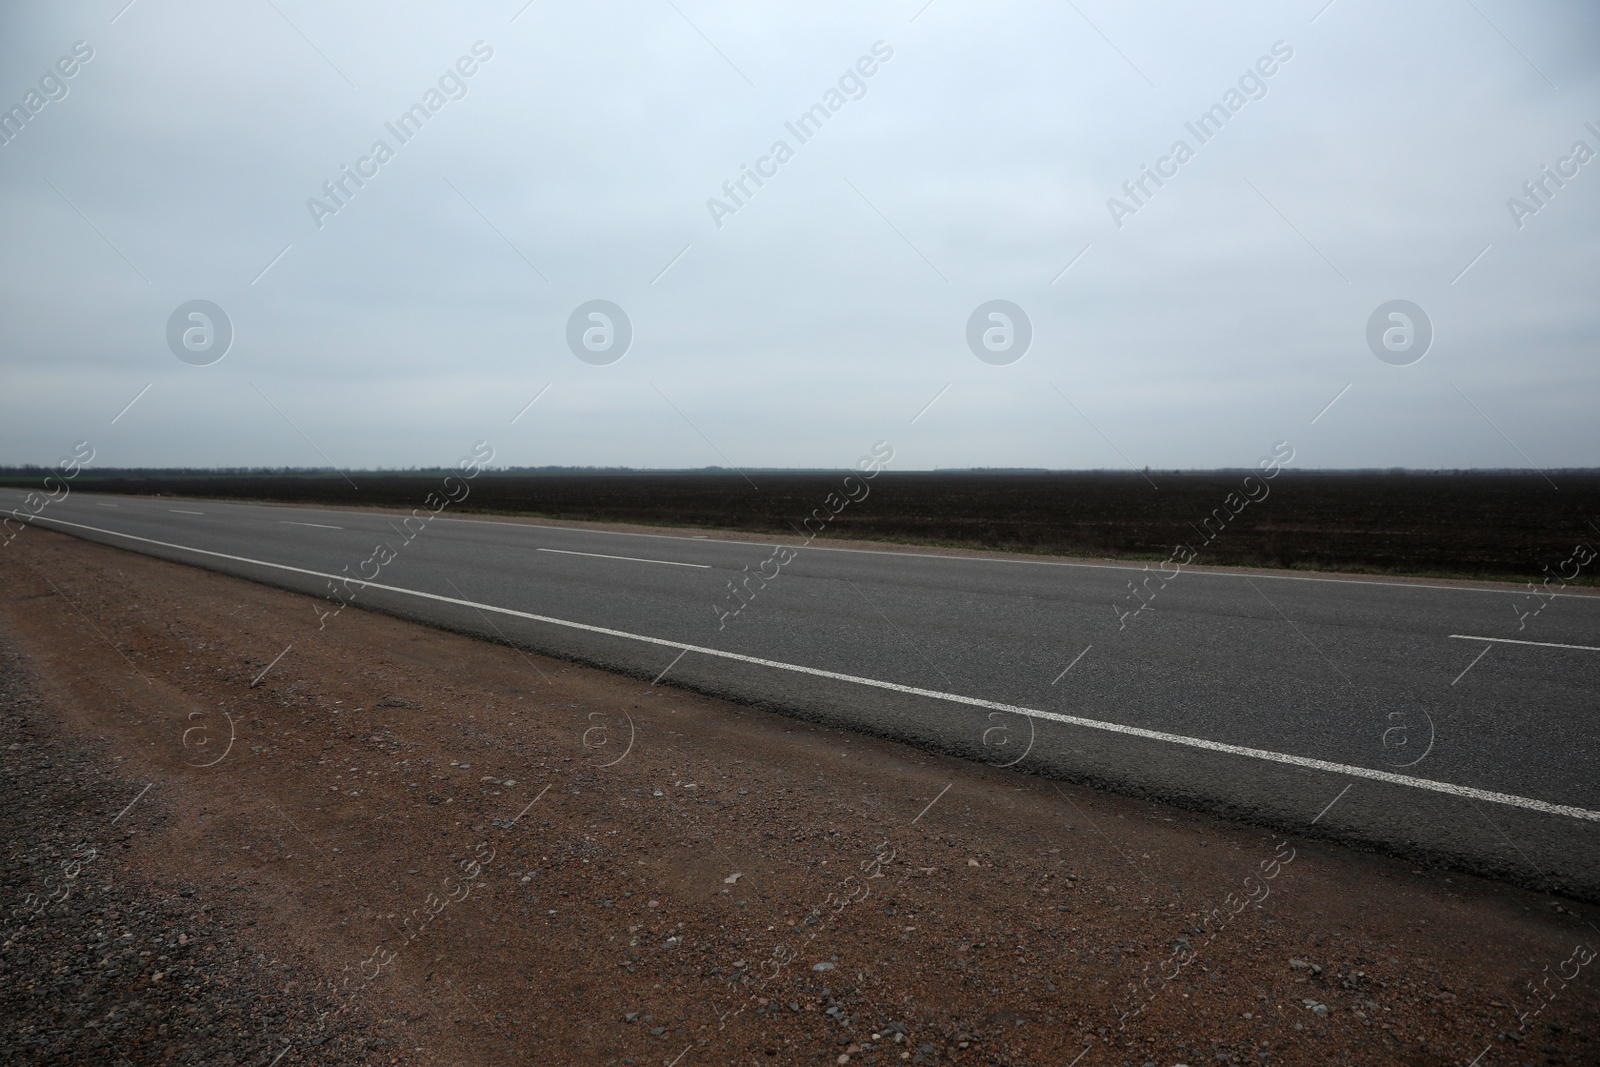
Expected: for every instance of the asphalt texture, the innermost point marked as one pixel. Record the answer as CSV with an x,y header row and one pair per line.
x,y
1473,753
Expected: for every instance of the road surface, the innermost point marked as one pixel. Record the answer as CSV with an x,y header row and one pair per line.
x,y
1462,723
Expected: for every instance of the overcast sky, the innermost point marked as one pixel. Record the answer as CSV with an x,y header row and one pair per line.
x,y
1193,326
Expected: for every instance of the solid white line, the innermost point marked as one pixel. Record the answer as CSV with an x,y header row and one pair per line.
x,y
180,511
318,525
1537,644
1429,784
630,559
100,504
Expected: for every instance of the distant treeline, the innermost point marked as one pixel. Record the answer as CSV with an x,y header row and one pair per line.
x,y
1471,524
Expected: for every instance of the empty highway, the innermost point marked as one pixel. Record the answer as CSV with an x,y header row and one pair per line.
x,y
1445,719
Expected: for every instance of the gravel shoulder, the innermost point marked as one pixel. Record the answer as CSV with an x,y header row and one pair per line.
x,y
377,842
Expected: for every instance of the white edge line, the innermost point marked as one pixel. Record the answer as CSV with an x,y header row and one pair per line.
x,y
510,522
1536,644
1305,762
630,559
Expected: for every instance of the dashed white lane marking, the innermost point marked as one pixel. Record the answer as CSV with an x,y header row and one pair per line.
x,y
630,559
1536,644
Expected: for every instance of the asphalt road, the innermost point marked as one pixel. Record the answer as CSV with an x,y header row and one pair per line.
x,y
1253,695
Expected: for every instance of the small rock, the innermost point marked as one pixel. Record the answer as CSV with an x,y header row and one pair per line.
x,y
732,878
823,966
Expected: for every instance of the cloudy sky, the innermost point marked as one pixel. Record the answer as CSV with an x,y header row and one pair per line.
x,y
801,319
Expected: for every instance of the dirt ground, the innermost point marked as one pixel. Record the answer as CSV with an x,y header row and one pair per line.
x,y
380,843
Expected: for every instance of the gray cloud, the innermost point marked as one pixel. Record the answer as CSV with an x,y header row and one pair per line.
x,y
1223,315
